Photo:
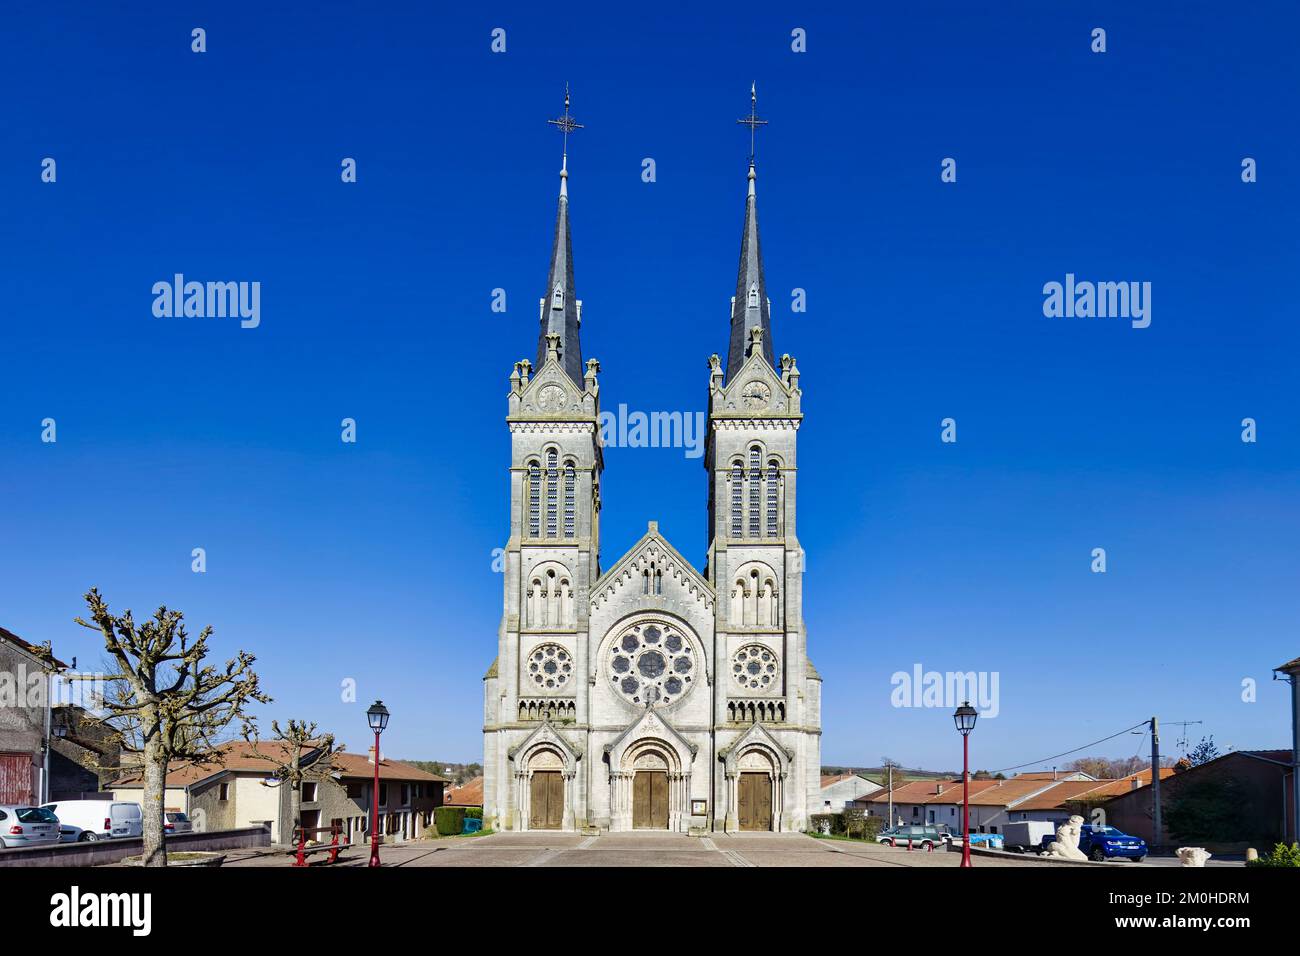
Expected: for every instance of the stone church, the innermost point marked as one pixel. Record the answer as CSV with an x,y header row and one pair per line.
x,y
646,694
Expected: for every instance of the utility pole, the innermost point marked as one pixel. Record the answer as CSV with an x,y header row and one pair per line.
x,y
1155,783
889,765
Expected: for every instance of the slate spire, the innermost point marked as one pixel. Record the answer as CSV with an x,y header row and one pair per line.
x,y
750,309
560,303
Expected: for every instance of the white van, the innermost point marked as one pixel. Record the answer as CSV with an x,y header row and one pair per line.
x,y
100,819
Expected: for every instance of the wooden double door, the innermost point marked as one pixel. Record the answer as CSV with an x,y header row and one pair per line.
x,y
546,800
754,801
650,800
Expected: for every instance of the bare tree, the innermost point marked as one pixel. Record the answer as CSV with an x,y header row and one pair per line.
x,y
299,755
165,702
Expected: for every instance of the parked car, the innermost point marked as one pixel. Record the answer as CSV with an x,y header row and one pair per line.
x,y
1103,843
922,835
100,819
27,826
175,821
69,834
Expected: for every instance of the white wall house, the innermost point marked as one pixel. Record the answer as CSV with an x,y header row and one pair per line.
x,y
842,788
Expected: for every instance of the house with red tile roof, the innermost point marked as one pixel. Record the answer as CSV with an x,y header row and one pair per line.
x,y
1256,786
468,794
241,790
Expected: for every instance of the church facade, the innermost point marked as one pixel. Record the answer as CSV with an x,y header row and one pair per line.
x,y
648,694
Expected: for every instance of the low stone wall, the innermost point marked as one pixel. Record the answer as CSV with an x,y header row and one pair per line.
x,y
113,851
1007,855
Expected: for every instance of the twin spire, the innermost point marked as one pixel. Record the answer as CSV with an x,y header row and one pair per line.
x,y
560,308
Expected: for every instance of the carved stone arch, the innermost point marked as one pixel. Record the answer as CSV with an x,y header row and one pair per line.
x,y
757,751
543,751
548,596
650,744
755,595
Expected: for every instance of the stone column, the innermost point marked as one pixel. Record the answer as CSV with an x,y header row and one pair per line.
x,y
778,785
732,823
567,822
522,796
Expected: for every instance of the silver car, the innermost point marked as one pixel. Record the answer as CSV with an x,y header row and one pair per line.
x,y
175,821
27,826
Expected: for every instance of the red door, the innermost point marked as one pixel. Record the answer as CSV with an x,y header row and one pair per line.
x,y
15,779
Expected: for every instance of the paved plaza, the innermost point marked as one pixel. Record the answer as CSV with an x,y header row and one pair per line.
x,y
631,849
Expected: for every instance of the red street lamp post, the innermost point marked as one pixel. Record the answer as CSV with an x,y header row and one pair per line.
x,y
377,715
964,718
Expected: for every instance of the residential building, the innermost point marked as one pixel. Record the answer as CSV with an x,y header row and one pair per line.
x,y
85,755
25,671
242,791
1249,791
840,789
1056,776
407,798
468,794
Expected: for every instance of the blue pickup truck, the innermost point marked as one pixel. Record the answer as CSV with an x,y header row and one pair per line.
x,y
1102,843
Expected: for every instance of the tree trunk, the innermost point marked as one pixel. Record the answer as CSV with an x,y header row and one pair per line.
x,y
295,795
155,779
295,812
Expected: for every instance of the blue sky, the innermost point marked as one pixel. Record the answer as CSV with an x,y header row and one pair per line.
x,y
373,561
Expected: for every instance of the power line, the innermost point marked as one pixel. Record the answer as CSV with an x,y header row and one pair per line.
x,y
1067,753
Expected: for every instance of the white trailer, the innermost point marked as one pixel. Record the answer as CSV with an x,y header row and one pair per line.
x,y
1025,836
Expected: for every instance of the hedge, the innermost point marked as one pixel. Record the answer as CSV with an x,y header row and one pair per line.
x,y
474,813
449,821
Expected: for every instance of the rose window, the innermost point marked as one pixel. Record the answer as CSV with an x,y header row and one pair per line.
x,y
550,666
652,663
754,667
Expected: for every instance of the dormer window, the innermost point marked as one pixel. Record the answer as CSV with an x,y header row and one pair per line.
x,y
557,297
753,296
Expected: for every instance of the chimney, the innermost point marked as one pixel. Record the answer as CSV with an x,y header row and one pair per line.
x,y
938,789
1053,773
370,755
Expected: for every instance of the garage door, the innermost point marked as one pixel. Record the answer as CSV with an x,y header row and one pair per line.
x,y
15,778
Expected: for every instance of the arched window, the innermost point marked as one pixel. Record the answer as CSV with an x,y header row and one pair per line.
x,y
552,493
755,491
570,498
557,297
753,296
534,500
773,482
737,499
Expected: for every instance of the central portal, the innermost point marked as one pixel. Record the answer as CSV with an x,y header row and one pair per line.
x,y
650,800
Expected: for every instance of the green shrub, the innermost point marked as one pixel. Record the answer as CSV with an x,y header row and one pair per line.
x,y
1282,855
449,821
474,813
831,824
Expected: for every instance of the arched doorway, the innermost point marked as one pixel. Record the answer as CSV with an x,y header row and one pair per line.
x,y
755,791
650,791
546,791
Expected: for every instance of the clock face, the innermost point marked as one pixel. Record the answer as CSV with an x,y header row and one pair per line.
x,y
756,395
551,398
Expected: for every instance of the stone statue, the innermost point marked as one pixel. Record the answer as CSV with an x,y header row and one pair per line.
x,y
1066,845
1192,856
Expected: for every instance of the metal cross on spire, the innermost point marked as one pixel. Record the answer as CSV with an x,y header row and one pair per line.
x,y
566,123
752,120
